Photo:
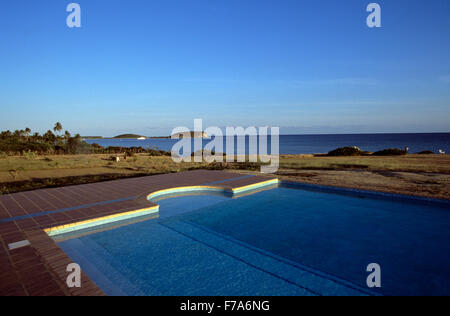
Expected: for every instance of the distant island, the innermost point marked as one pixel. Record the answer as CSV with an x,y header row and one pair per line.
x,y
130,136
190,135
124,136
136,136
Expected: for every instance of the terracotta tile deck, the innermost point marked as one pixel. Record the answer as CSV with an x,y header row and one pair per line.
x,y
40,269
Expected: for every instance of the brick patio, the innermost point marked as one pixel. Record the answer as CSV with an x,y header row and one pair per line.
x,y
40,269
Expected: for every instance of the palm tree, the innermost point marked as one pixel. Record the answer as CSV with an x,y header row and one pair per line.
x,y
67,135
27,133
36,137
17,134
6,135
78,138
49,137
58,127
73,143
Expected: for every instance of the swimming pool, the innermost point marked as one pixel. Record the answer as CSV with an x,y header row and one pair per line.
x,y
288,240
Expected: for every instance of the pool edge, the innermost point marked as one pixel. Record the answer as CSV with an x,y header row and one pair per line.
x,y
154,209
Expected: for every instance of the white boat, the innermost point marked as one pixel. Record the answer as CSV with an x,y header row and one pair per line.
x,y
142,138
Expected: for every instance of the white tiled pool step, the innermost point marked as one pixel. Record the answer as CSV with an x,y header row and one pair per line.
x,y
315,281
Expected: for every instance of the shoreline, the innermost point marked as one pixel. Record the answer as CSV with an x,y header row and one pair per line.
x,y
126,138
311,143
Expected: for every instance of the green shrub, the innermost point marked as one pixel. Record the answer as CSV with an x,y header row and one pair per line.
x,y
252,166
155,153
346,151
129,154
29,155
16,148
391,152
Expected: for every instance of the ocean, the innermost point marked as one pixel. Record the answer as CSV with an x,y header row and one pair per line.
x,y
314,144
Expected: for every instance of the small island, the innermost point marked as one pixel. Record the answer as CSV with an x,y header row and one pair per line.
x,y
190,135
130,136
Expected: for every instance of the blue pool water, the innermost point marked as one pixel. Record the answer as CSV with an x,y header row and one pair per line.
x,y
283,241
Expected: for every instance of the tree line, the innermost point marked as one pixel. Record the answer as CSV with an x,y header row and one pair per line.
x,y
57,142
51,142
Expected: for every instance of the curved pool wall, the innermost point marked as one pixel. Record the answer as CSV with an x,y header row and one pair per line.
x,y
174,192
153,211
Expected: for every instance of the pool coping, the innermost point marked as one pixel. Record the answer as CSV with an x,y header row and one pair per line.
x,y
154,209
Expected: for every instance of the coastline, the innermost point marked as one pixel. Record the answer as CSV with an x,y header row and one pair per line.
x,y
311,144
125,138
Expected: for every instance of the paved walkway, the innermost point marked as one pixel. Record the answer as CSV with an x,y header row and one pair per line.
x,y
40,269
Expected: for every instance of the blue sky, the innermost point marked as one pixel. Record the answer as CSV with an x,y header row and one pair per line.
x,y
147,66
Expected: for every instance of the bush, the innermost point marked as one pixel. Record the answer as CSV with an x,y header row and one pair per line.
x,y
15,148
157,152
252,166
391,152
346,151
426,152
29,155
129,154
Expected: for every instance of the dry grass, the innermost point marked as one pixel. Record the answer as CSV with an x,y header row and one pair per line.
x,y
19,168
410,163
425,175
422,175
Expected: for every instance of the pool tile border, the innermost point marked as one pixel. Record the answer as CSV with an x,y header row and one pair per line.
x,y
100,221
212,188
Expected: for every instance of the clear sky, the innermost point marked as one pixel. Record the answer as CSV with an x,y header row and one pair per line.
x,y
147,66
